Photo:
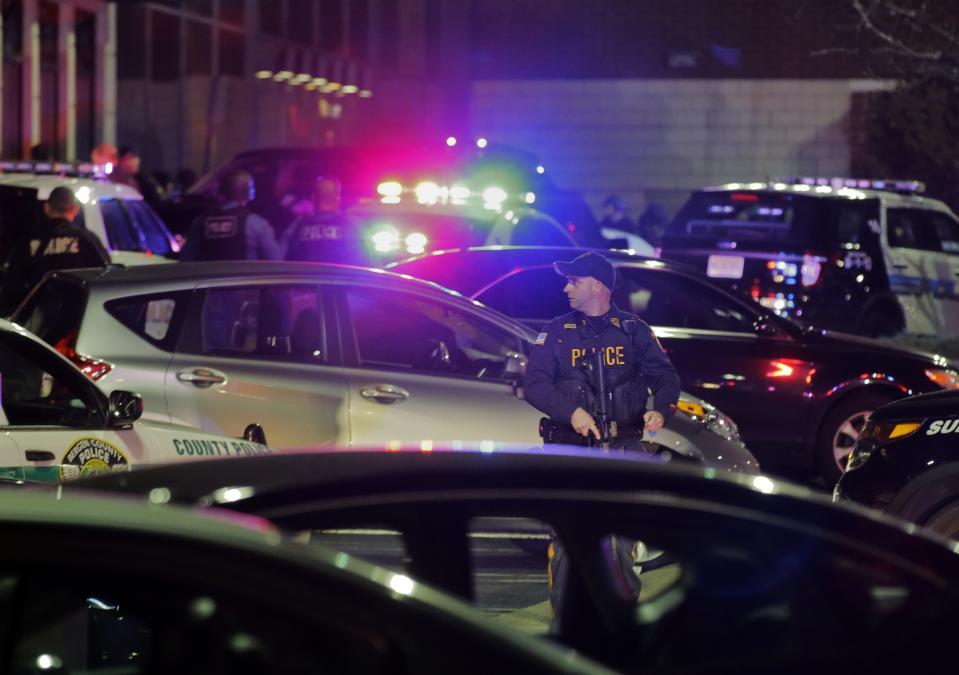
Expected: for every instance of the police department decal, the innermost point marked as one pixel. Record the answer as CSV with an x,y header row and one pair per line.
x,y
92,456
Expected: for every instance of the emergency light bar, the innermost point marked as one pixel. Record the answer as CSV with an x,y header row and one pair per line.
x,y
75,169
838,182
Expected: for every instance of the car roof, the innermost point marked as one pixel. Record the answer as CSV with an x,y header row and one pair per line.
x,y
44,185
773,187
146,275
509,257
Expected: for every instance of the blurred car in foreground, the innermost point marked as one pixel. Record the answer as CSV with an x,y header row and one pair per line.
x,y
906,462
763,575
98,585
55,423
800,397
319,354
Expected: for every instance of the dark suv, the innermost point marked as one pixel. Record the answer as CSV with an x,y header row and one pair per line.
x,y
867,257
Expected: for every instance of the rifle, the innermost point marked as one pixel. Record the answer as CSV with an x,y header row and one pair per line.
x,y
595,369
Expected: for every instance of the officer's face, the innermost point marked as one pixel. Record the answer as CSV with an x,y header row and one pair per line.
x,y
580,290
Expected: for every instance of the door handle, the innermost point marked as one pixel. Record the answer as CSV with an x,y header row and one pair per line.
x,y
201,377
900,266
40,456
384,393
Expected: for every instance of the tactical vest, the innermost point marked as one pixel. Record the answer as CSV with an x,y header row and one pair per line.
x,y
623,375
324,237
223,235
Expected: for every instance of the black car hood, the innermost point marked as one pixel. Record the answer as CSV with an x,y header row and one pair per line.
x,y
935,404
828,338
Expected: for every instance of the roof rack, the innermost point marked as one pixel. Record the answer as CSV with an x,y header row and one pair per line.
x,y
75,169
839,182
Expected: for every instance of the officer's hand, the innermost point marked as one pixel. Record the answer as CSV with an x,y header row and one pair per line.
x,y
653,420
582,422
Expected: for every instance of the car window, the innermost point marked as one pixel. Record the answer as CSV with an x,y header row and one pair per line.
x,y
534,295
152,231
267,322
947,231
34,393
671,300
910,228
155,318
109,623
120,235
539,231
405,331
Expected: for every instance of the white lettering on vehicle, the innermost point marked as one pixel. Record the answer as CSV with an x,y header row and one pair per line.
x,y
943,427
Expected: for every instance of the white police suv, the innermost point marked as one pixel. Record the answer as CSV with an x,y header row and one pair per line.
x,y
866,256
130,230
55,423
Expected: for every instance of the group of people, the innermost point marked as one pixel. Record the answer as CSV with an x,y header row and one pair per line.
x,y
231,231
125,169
650,227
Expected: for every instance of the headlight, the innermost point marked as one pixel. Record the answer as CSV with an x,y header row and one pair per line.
x,y
714,420
875,434
721,425
946,378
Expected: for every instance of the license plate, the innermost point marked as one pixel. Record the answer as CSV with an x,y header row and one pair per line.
x,y
725,266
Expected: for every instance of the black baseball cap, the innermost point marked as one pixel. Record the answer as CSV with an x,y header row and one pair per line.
x,y
589,264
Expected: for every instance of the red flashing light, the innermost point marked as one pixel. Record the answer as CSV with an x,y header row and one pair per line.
x,y
743,197
571,227
92,368
809,376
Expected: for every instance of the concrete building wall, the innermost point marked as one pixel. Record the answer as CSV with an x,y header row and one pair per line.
x,y
659,139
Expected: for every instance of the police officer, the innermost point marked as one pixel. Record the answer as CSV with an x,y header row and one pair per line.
x,y
58,243
327,235
556,382
232,231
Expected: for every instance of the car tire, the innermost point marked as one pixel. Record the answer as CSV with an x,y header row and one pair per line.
x,y
879,325
839,430
945,521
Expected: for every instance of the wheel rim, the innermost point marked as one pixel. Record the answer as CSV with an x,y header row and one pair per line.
x,y
846,436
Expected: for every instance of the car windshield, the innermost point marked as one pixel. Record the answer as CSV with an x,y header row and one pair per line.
x,y
769,217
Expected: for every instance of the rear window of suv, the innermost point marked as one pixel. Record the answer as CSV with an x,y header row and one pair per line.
x,y
772,216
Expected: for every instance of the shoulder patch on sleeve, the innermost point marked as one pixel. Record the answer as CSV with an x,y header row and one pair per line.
x,y
569,325
540,339
615,321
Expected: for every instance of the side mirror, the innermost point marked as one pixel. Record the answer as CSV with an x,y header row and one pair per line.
x,y
254,434
125,408
515,371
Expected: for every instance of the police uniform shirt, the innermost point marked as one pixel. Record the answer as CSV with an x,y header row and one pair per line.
x,y
556,384
259,240
57,244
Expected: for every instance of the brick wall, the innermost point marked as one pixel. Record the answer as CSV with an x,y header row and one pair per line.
x,y
659,139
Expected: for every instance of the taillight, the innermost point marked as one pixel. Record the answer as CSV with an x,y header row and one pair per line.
x,y
91,367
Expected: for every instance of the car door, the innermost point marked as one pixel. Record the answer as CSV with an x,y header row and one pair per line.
x,y
425,371
260,353
55,417
758,380
910,259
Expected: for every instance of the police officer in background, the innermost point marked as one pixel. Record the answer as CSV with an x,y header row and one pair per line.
x,y
58,243
327,235
556,382
232,231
